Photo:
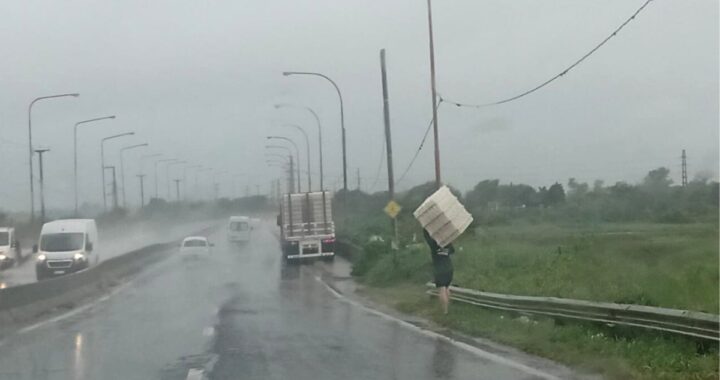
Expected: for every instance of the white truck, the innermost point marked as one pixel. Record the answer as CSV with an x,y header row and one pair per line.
x,y
306,225
66,246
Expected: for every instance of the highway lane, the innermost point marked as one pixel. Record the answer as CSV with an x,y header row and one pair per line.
x,y
247,312
115,241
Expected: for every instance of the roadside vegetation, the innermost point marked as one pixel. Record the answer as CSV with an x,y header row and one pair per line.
x,y
651,244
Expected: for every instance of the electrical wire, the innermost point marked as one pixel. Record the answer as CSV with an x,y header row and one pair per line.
x,y
561,74
422,144
379,168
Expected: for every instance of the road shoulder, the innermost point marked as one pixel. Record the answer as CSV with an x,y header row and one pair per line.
x,y
336,275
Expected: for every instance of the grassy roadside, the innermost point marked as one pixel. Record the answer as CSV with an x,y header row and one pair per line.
x,y
612,352
653,264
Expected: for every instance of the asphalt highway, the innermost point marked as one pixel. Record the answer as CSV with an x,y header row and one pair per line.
x,y
241,314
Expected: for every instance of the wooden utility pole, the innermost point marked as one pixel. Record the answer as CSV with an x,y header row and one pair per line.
x,y
438,181
388,140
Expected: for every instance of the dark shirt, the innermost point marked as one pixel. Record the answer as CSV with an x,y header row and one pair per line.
x,y
440,256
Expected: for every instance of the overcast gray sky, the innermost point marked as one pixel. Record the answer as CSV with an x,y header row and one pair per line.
x,y
198,80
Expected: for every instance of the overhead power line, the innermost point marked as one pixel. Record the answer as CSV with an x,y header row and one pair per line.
x,y
557,76
422,144
379,168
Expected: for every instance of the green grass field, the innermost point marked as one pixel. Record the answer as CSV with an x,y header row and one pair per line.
x,y
669,265
673,266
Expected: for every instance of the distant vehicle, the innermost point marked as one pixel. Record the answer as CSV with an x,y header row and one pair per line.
x,y
195,247
306,225
239,229
10,252
66,246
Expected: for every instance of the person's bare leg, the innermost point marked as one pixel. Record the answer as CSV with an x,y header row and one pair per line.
x,y
444,300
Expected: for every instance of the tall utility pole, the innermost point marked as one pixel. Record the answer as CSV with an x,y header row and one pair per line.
x,y
122,167
291,176
358,178
141,177
320,143
278,190
438,181
114,187
75,162
297,154
177,189
388,139
30,147
684,169
40,152
307,146
102,163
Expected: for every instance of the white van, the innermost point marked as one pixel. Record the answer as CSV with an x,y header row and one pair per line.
x,y
238,229
10,252
66,246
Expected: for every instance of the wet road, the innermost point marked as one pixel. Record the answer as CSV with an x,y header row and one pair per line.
x,y
114,242
247,312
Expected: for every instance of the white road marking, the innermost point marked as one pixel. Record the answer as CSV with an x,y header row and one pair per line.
x,y
472,349
195,374
75,311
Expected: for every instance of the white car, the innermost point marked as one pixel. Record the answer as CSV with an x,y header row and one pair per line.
x,y
195,247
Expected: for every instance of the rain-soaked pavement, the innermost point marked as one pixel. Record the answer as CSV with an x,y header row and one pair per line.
x,y
246,315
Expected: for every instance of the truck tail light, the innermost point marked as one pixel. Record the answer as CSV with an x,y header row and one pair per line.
x,y
328,240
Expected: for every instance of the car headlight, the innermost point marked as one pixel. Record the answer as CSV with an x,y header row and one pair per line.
x,y
41,257
79,257
2,257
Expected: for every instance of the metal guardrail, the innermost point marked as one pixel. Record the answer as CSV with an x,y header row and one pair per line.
x,y
682,322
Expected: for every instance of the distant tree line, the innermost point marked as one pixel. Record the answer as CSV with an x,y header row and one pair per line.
x,y
654,199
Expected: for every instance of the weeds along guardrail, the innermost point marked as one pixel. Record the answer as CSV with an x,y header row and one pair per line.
x,y
681,322
22,303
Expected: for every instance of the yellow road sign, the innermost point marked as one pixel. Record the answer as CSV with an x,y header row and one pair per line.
x,y
392,209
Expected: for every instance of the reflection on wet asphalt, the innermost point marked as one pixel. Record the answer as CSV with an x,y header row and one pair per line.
x,y
245,310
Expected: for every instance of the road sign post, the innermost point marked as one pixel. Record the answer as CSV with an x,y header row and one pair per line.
x,y
392,209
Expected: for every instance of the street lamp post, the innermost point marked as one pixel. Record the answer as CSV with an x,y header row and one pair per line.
x,y
156,172
75,162
40,152
142,174
216,185
102,162
141,177
145,157
307,146
275,156
290,154
185,178
197,187
342,116
167,174
320,144
122,168
297,155
30,147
